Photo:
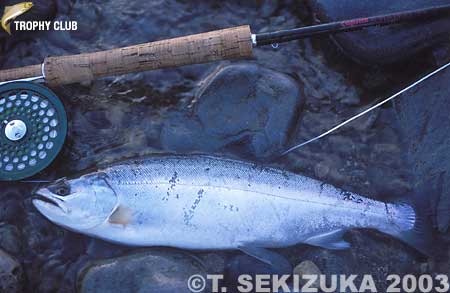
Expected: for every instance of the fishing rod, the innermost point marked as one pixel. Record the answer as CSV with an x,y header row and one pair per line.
x,y
226,44
33,122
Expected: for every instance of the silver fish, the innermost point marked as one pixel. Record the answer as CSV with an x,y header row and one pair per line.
x,y
203,202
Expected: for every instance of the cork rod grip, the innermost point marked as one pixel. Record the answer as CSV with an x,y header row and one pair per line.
x,y
21,73
194,49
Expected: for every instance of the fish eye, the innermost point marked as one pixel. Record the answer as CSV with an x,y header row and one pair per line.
x,y
63,191
60,188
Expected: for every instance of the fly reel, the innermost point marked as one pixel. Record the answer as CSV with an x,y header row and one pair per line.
x,y
32,131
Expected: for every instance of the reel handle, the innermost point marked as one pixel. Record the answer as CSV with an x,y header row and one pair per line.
x,y
231,43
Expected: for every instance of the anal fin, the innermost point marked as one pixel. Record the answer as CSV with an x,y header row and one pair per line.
x,y
329,240
277,261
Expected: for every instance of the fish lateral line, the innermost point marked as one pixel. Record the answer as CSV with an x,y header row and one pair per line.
x,y
268,194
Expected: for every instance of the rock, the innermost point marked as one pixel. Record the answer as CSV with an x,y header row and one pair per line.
x,y
150,271
10,238
424,124
382,45
244,264
254,116
11,274
11,209
371,253
307,267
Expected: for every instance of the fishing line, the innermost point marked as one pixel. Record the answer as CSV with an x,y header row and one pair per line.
x,y
367,110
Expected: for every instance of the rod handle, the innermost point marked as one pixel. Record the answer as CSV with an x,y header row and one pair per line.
x,y
223,44
21,73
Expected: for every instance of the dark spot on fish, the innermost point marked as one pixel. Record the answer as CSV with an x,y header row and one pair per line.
x,y
173,180
166,198
321,187
188,215
200,192
348,196
207,169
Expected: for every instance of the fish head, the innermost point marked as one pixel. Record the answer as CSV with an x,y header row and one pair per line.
x,y
78,204
28,5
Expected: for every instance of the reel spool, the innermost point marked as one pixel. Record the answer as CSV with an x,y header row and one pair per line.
x,y
32,131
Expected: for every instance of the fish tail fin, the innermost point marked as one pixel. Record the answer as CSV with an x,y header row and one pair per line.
x,y
412,223
7,28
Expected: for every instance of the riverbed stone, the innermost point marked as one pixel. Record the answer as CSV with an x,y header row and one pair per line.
x,y
307,267
242,107
10,238
424,124
148,271
11,273
388,44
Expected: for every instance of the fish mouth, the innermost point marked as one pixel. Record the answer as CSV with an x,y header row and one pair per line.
x,y
44,198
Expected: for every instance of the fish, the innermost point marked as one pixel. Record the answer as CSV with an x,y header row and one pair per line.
x,y
11,12
201,202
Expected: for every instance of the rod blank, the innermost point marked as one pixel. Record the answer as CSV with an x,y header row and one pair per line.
x,y
349,25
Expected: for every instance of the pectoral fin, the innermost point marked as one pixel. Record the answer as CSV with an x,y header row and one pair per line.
x,y
330,240
277,261
121,215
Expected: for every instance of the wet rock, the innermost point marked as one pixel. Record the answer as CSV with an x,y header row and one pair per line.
x,y
11,209
382,45
150,271
424,122
371,253
10,238
101,249
245,265
308,268
214,263
39,233
11,274
240,107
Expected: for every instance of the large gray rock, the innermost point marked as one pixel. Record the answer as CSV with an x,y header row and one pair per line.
x,y
424,119
383,45
151,271
240,107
